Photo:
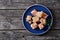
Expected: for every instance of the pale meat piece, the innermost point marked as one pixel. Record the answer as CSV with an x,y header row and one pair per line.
x,y
34,12
39,14
34,25
35,19
41,26
30,22
44,15
28,18
43,21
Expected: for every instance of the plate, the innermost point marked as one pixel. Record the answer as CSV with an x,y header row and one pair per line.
x,y
49,21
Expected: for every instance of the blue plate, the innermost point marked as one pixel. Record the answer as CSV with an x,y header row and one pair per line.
x,y
38,8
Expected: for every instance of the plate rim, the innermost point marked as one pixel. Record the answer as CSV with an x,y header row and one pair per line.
x,y
50,23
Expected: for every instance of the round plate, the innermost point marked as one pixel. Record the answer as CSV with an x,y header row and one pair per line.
x,y
48,22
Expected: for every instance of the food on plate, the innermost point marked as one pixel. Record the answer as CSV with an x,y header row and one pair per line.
x,y
39,14
28,18
37,20
44,15
43,21
34,12
41,26
34,25
30,22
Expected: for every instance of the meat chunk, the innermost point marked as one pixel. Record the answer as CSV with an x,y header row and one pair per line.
x,y
30,22
45,15
39,14
43,21
35,19
28,18
41,26
34,12
34,25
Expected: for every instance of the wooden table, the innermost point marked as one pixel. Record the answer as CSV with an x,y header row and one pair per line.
x,y
11,27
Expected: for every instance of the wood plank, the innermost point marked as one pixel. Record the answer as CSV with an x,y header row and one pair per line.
x,y
10,35
55,13
25,35
50,35
24,1
11,4
23,4
41,38
19,13
52,4
12,19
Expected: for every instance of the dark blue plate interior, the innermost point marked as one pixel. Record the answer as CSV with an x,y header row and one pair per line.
x,y
37,30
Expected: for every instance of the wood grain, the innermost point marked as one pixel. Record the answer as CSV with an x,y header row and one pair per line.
x,y
23,4
12,19
11,26
25,35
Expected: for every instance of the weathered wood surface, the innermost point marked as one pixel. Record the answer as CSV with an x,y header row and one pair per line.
x,y
12,19
23,4
25,35
11,27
